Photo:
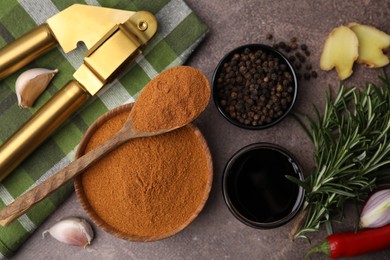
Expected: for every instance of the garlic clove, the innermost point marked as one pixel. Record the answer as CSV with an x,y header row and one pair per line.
x,y
72,231
376,212
30,85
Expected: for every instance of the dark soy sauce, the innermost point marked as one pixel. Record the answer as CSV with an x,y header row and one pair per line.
x,y
258,188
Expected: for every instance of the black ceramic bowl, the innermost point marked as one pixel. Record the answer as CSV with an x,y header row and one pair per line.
x,y
234,85
255,187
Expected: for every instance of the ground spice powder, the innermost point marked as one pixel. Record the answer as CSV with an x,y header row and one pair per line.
x,y
148,186
173,98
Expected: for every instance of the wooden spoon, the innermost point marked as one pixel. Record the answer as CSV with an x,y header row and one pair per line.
x,y
128,132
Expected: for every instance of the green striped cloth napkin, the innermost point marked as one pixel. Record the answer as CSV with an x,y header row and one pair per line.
x,y
180,31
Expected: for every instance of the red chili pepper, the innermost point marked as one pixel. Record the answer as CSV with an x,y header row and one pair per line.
x,y
353,244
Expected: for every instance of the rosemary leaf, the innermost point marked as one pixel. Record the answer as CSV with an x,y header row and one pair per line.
x,y
351,151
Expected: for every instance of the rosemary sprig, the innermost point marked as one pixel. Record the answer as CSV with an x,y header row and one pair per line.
x,y
351,151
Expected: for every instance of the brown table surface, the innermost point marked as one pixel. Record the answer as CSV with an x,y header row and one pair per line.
x,y
216,234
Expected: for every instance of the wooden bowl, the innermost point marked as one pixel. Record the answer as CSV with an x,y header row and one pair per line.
x,y
100,222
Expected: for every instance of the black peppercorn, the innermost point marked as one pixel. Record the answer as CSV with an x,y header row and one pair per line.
x,y
252,85
293,46
236,57
282,45
297,51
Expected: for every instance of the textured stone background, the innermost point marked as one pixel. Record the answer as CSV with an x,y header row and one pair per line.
x,y
216,234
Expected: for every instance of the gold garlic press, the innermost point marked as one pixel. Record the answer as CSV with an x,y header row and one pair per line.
x,y
113,37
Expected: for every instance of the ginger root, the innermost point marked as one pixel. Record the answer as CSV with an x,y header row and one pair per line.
x,y
355,42
372,42
340,51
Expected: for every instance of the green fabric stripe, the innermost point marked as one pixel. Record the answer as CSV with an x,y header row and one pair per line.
x,y
4,250
58,198
18,22
161,56
41,160
2,41
145,5
62,139
191,27
7,100
6,7
12,236
90,113
41,209
119,4
136,79
63,4
80,124
22,178
9,124
6,36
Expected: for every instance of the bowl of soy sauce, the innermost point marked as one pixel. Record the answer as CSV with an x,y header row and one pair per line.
x,y
256,189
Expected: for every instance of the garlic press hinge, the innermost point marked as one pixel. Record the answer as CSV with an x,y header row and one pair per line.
x,y
116,49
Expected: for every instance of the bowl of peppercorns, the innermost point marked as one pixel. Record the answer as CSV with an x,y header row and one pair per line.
x,y
254,86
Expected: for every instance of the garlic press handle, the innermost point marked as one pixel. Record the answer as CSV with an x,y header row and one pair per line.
x,y
42,124
25,49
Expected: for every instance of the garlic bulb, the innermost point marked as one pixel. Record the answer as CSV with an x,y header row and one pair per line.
x,y
30,85
72,231
376,212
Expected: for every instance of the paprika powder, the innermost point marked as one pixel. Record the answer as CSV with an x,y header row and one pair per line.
x,y
152,187
171,99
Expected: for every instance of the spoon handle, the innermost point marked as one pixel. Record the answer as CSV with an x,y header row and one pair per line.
x,y
22,204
